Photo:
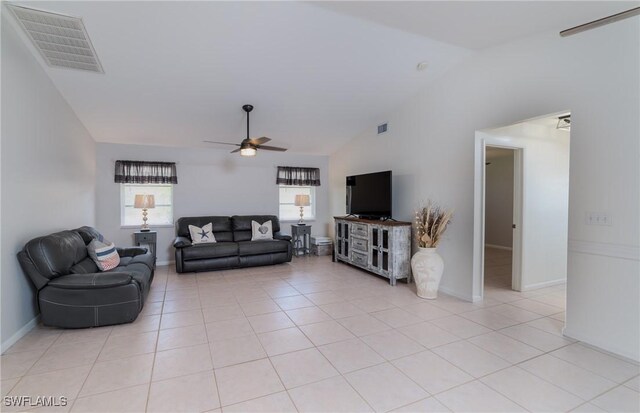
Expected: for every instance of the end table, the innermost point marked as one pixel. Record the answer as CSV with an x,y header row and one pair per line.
x,y
147,238
301,238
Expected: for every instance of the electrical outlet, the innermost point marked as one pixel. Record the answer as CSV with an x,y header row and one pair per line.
x,y
598,218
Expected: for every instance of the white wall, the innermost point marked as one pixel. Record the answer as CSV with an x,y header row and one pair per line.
x,y
48,173
210,182
430,148
545,204
499,200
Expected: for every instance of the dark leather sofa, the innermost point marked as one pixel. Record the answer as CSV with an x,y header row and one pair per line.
x,y
234,248
73,293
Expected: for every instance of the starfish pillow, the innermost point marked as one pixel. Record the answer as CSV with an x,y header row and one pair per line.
x,y
202,235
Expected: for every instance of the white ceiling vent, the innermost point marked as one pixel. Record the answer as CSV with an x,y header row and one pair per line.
x,y
62,40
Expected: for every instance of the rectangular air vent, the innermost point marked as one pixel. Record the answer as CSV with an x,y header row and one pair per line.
x,y
382,128
62,41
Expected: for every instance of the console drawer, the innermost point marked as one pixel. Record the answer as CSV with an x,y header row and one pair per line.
x,y
361,230
359,259
360,244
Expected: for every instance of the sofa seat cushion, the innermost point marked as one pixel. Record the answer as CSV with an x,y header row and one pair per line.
x,y
91,281
204,251
262,247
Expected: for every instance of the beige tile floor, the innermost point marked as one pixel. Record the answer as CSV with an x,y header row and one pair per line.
x,y
314,335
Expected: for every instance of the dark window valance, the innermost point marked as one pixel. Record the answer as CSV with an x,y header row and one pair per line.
x,y
143,172
291,175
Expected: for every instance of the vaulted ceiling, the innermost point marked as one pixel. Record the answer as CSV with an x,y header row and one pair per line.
x,y
177,73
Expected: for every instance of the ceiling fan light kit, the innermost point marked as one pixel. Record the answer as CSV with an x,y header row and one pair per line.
x,y
248,151
249,146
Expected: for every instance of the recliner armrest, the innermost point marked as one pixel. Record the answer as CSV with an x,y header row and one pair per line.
x,y
282,236
91,281
131,251
181,242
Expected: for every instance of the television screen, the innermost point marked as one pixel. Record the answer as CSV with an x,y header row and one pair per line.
x,y
369,195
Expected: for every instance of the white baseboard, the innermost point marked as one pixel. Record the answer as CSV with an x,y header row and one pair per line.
x,y
498,247
4,346
601,345
544,284
162,263
455,294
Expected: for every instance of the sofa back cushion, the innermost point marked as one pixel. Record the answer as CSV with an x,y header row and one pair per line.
x,y
88,234
241,225
48,257
86,266
221,227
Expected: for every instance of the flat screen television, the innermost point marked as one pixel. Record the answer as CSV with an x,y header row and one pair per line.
x,y
369,195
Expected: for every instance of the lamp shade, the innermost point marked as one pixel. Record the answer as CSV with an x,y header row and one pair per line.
x,y
302,200
144,201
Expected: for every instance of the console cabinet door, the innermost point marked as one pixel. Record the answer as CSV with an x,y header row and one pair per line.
x,y
380,242
342,239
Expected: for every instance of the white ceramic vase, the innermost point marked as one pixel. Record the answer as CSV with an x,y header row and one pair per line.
x,y
427,266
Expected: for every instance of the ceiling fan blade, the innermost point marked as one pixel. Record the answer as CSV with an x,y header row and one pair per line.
x,y
259,141
272,148
235,150
223,143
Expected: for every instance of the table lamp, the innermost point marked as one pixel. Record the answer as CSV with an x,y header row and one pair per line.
x,y
145,202
302,201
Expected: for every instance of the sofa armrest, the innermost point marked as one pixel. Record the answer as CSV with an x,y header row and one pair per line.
x,y
181,242
282,236
91,281
131,251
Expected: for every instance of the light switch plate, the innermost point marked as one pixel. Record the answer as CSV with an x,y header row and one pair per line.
x,y
598,218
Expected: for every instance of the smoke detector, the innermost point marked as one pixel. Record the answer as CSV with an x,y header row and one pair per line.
x,y
422,66
62,40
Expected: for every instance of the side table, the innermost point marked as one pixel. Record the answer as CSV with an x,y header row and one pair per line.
x,y
301,238
148,238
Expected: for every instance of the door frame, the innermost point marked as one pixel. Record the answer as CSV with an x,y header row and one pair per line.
x,y
482,140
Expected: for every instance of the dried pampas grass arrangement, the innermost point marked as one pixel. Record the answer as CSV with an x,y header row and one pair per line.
x,y
431,222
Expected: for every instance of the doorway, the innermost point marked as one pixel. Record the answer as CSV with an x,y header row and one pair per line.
x,y
499,221
539,149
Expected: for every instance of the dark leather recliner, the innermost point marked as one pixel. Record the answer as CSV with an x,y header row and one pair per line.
x,y
73,293
234,248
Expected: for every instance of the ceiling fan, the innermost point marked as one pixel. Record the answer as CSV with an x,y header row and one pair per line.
x,y
249,146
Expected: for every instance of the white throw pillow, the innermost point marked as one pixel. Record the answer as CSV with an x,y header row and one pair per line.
x,y
261,231
104,254
202,235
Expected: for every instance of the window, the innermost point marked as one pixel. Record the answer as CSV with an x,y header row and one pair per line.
x,y
162,214
288,210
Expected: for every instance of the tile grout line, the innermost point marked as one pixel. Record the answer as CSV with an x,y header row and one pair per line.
x,y
155,353
90,371
213,369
